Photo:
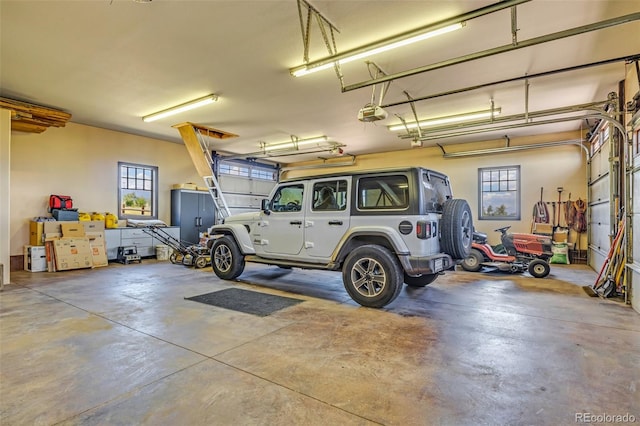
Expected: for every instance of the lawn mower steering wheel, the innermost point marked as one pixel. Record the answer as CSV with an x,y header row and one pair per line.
x,y
503,229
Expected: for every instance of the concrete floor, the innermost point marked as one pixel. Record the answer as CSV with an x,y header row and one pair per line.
x,y
120,345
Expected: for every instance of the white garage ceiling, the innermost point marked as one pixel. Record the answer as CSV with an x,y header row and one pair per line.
x,y
109,63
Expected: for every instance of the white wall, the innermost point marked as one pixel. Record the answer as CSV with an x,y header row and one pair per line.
x,y
81,161
5,190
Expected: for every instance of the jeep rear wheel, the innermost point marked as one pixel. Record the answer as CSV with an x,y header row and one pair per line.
x,y
226,260
456,229
372,276
421,281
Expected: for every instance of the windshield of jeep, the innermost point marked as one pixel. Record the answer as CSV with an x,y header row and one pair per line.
x,y
436,191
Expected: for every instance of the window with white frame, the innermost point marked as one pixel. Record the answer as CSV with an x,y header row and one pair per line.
x,y
499,193
137,191
247,170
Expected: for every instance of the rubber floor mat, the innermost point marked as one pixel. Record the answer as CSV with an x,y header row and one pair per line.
x,y
249,302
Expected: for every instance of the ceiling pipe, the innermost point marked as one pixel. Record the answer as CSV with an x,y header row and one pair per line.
x,y
518,117
595,114
431,27
488,151
325,164
627,59
453,133
501,49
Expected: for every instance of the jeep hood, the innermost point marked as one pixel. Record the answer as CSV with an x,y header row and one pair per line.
x,y
243,217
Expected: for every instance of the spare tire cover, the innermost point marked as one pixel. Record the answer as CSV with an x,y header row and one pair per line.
x,y
456,229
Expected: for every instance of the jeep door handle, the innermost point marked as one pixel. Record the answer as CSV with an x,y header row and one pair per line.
x,y
295,222
335,222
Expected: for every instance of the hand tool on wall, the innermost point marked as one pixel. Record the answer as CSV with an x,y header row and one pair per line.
x,y
556,224
540,212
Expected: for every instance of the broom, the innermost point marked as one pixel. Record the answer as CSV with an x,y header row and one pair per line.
x,y
604,274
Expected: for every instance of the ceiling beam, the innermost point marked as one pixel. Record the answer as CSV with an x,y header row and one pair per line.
x,y
497,50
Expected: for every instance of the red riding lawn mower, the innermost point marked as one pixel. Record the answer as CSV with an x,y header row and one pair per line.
x,y
519,253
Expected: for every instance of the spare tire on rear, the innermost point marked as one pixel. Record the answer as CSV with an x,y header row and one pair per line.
x,y
456,229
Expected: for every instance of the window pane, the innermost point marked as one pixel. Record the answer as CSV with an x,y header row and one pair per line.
x,y
137,195
499,193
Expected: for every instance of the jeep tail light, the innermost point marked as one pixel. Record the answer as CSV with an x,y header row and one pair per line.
x,y
423,229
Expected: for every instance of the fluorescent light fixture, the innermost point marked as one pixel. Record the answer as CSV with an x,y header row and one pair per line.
x,y
365,52
293,145
471,116
196,103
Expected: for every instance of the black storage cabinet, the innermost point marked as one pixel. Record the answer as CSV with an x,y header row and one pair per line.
x,y
193,212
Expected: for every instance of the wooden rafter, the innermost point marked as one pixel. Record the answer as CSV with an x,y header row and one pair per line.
x,y
26,117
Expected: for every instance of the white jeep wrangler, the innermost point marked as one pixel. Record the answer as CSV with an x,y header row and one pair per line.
x,y
381,228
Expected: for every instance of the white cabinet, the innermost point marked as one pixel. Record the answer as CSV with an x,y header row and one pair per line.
x,y
127,237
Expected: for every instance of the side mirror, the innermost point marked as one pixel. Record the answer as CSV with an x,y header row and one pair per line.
x,y
265,206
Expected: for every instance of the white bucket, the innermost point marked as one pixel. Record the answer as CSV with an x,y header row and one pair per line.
x,y
162,252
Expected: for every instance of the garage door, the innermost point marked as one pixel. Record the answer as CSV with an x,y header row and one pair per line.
x,y
633,260
245,183
599,228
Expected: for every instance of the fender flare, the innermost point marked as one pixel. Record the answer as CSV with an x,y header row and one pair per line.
x,y
239,233
397,244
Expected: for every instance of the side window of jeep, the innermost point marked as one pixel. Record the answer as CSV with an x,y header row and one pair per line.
x,y
288,199
383,193
330,195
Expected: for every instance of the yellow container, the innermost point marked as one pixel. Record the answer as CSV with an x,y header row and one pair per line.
x,y
111,220
84,216
97,216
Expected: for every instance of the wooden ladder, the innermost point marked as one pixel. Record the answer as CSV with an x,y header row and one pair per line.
x,y
193,136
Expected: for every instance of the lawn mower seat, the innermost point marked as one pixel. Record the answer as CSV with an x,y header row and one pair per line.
x,y
479,237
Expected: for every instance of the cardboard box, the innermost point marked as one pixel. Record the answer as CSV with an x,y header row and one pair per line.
x,y
51,258
93,226
35,259
97,241
73,253
542,228
53,227
51,236
36,233
191,186
72,229
561,235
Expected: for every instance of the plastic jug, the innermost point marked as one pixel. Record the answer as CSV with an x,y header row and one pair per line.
x,y
97,216
111,220
84,217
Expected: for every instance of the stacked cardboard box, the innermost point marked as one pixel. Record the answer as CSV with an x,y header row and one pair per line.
x,y
35,258
74,245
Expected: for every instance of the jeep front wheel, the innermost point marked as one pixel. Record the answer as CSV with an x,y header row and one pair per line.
x,y
372,276
226,260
